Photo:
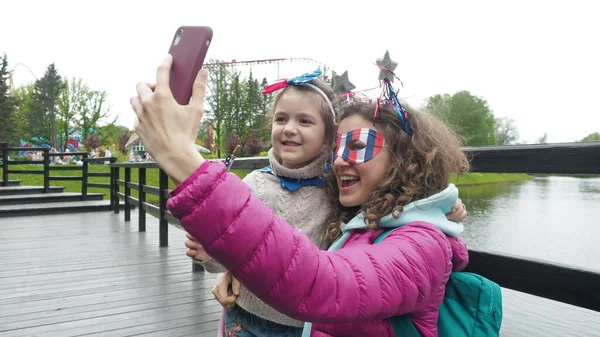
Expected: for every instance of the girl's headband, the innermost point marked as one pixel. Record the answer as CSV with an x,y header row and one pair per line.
x,y
304,79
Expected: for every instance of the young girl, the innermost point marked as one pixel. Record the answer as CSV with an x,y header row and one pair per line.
x,y
391,172
292,185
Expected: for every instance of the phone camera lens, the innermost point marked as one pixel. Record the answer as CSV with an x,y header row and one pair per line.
x,y
179,32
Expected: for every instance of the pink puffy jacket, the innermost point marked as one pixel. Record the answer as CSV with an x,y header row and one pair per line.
x,y
349,292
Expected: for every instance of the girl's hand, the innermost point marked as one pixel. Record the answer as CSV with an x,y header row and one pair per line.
x,y
223,293
459,212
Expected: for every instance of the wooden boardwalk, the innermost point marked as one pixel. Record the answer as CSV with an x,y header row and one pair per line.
x,y
93,274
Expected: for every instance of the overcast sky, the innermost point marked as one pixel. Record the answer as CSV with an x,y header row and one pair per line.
x,y
537,62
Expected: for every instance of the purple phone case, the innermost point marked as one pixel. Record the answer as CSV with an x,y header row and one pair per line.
x,y
188,58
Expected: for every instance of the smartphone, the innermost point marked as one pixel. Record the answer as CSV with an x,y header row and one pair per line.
x,y
188,48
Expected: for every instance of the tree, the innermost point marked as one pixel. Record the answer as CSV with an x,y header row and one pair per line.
x,y
23,96
263,124
506,131
8,107
238,114
43,110
218,101
592,137
253,145
543,139
92,112
253,98
110,133
470,116
70,102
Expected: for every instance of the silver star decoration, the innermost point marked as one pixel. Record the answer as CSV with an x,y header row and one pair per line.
x,y
342,84
388,63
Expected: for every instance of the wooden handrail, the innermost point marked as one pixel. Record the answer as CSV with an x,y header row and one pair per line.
x,y
561,283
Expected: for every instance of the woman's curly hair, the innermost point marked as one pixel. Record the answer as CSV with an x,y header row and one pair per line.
x,y
420,165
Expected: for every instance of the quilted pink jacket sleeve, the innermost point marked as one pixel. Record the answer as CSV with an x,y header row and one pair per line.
x,y
287,271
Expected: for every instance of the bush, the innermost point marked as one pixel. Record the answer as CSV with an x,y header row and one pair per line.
x,y
232,142
122,141
92,142
253,145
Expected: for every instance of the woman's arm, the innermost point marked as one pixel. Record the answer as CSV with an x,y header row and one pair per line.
x,y
287,271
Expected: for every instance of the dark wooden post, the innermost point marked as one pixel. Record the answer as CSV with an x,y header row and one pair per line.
x,y
46,170
163,223
3,147
127,193
115,189
84,176
142,199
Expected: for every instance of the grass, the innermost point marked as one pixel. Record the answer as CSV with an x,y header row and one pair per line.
x,y
474,178
152,179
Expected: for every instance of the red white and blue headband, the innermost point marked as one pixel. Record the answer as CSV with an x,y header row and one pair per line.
x,y
304,79
359,145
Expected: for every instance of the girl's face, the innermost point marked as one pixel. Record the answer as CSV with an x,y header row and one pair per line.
x,y
362,164
298,133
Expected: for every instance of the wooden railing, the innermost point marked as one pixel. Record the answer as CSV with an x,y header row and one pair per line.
x,y
47,168
562,283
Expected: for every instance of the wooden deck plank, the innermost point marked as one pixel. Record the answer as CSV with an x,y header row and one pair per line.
x,y
94,274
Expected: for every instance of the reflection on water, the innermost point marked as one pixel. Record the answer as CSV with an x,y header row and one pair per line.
x,y
553,218
550,218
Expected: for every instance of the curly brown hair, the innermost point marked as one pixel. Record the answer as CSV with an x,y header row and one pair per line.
x,y
420,164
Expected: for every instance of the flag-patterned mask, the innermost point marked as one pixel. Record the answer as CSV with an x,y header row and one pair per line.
x,y
358,146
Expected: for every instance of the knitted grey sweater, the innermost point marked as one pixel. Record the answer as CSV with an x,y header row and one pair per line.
x,y
306,209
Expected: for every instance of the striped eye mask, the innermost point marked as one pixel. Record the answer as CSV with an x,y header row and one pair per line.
x,y
358,146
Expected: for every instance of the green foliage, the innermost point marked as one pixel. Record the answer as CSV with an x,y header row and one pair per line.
x,y
8,108
70,101
218,97
110,133
92,112
237,107
468,115
23,96
592,137
506,131
41,120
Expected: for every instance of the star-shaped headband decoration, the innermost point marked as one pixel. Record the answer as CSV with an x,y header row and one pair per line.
x,y
342,84
388,95
386,67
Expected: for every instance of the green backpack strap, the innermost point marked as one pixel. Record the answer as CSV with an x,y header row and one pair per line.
x,y
402,325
